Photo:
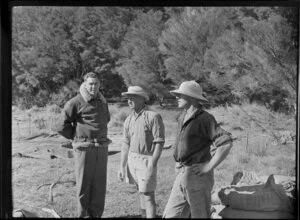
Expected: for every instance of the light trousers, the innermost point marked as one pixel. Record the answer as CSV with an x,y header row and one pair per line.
x,y
190,195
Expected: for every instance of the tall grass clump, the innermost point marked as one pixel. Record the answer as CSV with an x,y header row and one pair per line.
x,y
244,158
42,119
255,119
52,114
257,145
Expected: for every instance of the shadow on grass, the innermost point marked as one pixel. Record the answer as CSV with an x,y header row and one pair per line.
x,y
113,152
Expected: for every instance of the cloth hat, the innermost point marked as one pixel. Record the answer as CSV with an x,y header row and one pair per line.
x,y
136,90
190,88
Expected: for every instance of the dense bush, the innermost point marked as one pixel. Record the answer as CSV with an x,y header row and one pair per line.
x,y
65,93
237,53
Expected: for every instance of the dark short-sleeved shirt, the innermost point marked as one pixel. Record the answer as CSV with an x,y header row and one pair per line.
x,y
143,130
198,137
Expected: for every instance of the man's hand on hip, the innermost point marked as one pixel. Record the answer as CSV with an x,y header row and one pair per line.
x,y
201,168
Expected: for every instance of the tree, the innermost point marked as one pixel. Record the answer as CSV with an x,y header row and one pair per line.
x,y
185,42
236,53
141,62
258,57
41,51
186,39
53,47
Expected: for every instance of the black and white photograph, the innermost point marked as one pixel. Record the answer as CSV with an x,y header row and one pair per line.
x,y
161,111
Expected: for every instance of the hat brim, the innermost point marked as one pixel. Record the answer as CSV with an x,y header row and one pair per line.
x,y
177,92
138,94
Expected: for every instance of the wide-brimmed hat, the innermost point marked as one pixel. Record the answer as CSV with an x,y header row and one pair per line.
x,y
190,88
136,90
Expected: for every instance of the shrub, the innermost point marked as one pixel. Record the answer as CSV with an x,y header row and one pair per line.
x,y
24,102
65,93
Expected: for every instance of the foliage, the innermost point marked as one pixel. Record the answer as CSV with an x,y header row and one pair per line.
x,y
65,93
237,54
186,39
53,47
257,57
42,58
142,63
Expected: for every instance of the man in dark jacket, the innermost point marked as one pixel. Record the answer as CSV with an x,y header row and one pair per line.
x,y
201,145
84,120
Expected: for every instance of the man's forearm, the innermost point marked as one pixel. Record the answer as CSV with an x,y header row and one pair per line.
x,y
124,154
157,152
220,155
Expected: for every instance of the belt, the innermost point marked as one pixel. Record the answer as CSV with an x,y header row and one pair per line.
x,y
181,166
95,140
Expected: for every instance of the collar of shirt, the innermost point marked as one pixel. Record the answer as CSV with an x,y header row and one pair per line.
x,y
191,115
190,112
136,115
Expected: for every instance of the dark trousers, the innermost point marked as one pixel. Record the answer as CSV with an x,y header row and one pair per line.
x,y
90,171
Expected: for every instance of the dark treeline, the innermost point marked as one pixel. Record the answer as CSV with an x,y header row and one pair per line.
x,y
237,54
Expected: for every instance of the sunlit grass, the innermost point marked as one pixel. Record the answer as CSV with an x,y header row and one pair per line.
x,y
254,150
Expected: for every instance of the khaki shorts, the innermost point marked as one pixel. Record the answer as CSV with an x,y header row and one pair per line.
x,y
138,172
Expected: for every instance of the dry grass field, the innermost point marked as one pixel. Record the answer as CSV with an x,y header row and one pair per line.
x,y
267,147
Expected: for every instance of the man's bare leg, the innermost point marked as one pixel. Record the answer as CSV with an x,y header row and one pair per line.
x,y
149,201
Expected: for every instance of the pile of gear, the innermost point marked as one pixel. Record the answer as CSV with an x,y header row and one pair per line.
x,y
250,196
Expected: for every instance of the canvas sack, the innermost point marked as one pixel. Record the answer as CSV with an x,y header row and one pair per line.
x,y
260,197
230,213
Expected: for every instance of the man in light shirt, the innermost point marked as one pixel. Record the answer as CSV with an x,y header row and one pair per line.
x,y
144,137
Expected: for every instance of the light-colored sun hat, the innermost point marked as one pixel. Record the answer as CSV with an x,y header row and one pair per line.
x,y
190,88
136,90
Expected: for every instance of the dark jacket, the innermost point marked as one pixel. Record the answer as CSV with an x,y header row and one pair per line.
x,y
195,137
84,119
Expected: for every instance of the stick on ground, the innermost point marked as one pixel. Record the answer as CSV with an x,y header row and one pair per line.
x,y
59,182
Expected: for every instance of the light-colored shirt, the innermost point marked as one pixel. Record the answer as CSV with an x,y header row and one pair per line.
x,y
143,130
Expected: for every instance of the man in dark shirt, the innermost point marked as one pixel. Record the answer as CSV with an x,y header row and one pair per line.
x,y
201,145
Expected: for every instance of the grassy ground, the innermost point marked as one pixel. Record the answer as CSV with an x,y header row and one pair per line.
x,y
256,149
